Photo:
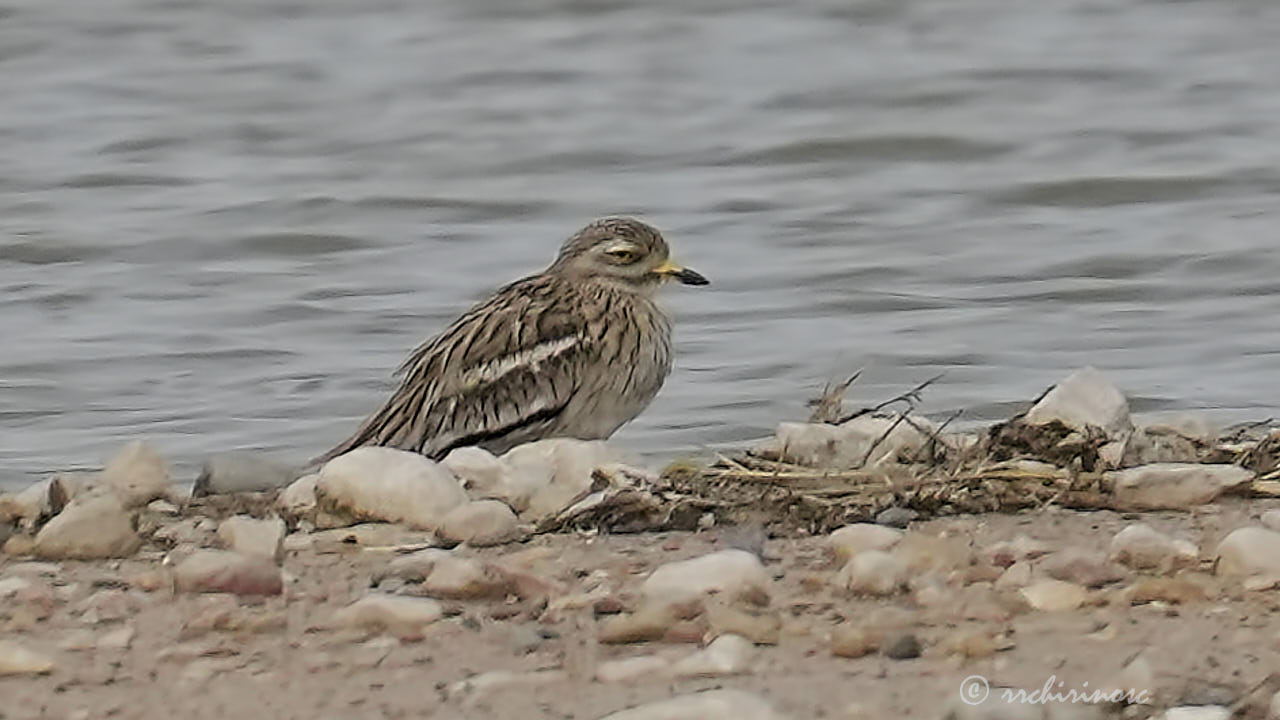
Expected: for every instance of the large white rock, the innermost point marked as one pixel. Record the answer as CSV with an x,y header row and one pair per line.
x,y
730,573
1084,399
480,523
384,484
1249,551
250,536
481,473
1175,486
735,704
138,474
554,474
850,540
90,527
241,473
847,446
1143,548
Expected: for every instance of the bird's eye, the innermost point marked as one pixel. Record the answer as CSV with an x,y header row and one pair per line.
x,y
623,255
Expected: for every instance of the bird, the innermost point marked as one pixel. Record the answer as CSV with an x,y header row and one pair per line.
x,y
577,351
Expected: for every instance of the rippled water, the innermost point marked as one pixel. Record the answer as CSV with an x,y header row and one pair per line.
x,y
223,224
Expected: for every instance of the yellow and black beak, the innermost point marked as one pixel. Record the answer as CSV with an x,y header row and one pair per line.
x,y
684,275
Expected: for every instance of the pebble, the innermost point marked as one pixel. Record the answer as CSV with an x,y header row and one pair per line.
x,y
250,536
1017,575
851,641
117,640
726,655
1175,486
298,499
1084,399
224,571
850,540
464,579
17,659
735,704
873,572
29,505
387,485
554,473
760,625
90,527
1249,551
1143,548
138,474
395,614
1082,567
1198,712
414,567
196,531
229,473
1173,591
107,605
480,523
1054,595
648,623
903,647
731,573
864,441
628,669
896,517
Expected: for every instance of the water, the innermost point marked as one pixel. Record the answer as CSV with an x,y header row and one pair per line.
x,y
223,224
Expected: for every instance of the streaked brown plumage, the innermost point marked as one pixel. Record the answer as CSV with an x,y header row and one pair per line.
x,y
575,351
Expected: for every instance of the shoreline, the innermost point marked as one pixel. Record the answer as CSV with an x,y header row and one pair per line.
x,y
832,572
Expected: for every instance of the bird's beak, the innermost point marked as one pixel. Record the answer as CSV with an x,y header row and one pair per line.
x,y
684,275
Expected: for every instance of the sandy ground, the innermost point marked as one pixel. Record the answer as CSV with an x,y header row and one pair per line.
x,y
288,664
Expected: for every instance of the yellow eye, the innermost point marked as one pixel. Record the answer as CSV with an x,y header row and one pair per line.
x,y
623,255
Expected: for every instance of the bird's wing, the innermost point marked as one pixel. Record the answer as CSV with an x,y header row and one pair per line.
x,y
507,364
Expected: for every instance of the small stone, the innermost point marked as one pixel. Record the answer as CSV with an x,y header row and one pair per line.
x,y
1092,570
163,507
107,606
249,536
27,507
464,579
629,669
117,640
1017,575
903,647
16,659
973,644
850,540
138,474
760,625
1198,712
298,500
414,567
873,572
850,641
735,704
197,531
1084,399
1249,551
554,474
1174,591
401,616
1175,486
726,655
229,473
387,485
1143,548
896,517
1007,552
731,573
224,571
90,527
1271,520
481,523
1054,595
649,622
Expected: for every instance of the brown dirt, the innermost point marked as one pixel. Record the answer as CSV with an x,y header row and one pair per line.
x,y
288,667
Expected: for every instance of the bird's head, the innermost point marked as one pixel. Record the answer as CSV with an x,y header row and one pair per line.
x,y
624,251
